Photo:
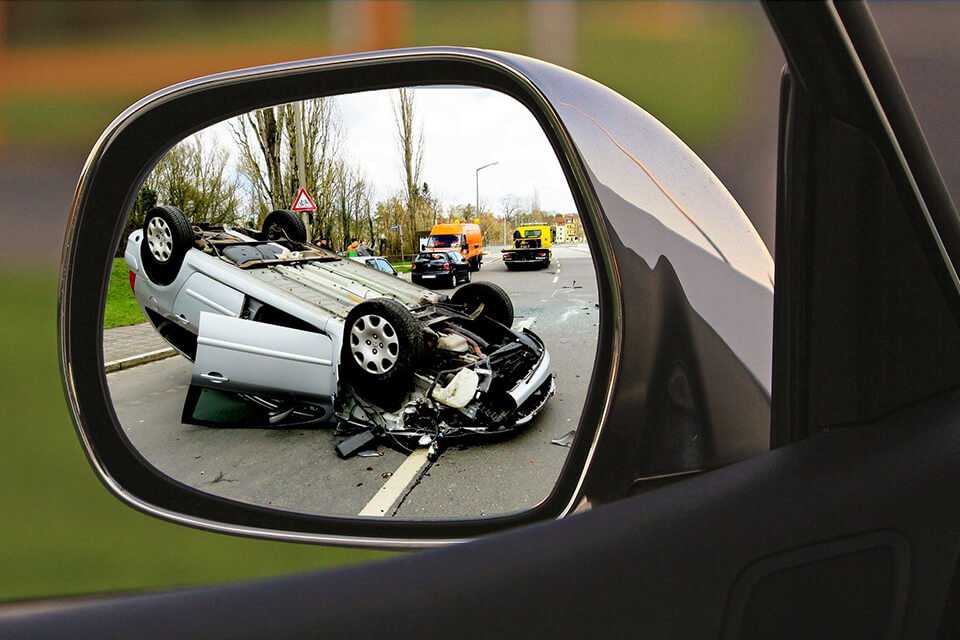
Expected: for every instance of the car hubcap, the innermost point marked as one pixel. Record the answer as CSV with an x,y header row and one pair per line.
x,y
159,239
374,344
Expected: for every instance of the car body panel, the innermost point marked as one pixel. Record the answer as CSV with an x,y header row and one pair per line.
x,y
200,293
252,357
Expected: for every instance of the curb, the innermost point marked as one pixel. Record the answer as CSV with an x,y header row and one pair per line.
x,y
143,358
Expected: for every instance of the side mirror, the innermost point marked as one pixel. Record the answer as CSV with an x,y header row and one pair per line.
x,y
279,341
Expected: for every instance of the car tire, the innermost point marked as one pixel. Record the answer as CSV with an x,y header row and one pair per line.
x,y
167,236
494,300
284,223
453,281
382,347
508,266
468,277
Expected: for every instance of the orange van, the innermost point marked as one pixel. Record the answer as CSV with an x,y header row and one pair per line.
x,y
464,236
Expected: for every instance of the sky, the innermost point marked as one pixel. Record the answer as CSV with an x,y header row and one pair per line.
x,y
463,128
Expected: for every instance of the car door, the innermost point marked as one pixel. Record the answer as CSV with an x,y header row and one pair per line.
x,y
848,528
244,356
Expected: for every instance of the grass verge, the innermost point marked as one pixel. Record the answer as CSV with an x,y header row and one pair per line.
x,y
122,308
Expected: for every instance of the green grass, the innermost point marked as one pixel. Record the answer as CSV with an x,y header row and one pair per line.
x,y
122,308
401,267
61,532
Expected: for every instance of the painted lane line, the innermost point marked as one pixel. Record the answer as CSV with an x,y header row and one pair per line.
x,y
555,278
407,472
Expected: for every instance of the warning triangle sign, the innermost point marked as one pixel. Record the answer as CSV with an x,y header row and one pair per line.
x,y
303,202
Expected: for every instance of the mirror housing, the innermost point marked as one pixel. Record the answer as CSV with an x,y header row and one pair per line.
x,y
681,383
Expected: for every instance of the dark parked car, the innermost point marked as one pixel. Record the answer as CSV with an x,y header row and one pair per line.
x,y
440,269
846,526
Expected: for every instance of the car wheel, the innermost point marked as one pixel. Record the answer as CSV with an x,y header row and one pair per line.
x,y
453,280
486,298
467,277
508,266
167,236
382,345
284,223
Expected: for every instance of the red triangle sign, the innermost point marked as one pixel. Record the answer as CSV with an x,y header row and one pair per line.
x,y
303,202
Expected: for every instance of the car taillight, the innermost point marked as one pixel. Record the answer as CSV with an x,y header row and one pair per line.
x,y
446,267
507,255
541,255
133,281
413,267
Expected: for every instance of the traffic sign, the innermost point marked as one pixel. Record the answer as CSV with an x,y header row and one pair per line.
x,y
303,202
395,227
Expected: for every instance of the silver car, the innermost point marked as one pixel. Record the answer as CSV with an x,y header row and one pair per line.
x,y
283,332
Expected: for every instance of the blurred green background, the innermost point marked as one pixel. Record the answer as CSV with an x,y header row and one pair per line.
x,y
66,69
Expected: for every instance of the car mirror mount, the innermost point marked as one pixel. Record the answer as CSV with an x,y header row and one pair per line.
x,y
136,140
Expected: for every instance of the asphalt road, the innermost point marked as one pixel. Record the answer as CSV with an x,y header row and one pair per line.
x,y
298,468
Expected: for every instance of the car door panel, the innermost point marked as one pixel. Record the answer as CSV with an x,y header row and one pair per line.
x,y
202,294
244,356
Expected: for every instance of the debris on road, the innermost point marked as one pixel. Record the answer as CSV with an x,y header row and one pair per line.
x,y
565,440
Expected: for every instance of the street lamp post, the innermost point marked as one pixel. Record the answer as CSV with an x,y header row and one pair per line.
x,y
478,181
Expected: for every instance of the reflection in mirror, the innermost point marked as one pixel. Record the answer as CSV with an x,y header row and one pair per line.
x,y
377,304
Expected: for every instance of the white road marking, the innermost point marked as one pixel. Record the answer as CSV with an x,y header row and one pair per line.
x,y
555,278
407,472
567,314
526,323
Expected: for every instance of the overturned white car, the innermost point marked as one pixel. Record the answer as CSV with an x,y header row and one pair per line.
x,y
281,332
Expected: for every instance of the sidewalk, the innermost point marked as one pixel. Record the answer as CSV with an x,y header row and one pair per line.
x,y
125,347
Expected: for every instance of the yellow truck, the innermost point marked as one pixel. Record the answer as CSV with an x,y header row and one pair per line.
x,y
531,247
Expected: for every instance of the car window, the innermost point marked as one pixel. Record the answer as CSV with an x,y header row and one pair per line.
x,y
439,241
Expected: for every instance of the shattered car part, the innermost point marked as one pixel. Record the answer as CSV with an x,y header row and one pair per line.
x,y
566,439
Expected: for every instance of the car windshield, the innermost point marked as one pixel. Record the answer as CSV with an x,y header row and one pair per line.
x,y
447,240
531,233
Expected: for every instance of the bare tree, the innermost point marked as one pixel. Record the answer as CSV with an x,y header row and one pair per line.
x,y
510,207
410,145
193,177
268,155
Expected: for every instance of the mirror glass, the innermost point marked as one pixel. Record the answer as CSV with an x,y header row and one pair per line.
x,y
376,304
